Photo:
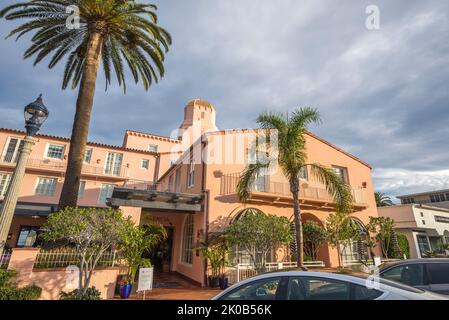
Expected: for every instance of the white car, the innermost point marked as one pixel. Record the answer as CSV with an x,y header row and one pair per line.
x,y
308,285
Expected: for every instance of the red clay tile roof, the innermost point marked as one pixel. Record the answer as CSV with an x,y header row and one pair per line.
x,y
93,144
308,133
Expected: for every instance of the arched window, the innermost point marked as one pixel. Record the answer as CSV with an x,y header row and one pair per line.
x,y
241,256
187,240
351,252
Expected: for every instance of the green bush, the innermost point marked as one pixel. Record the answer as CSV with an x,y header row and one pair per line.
x,y
10,291
91,294
403,245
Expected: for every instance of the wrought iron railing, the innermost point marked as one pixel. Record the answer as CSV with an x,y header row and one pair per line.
x,y
62,259
4,260
61,165
264,184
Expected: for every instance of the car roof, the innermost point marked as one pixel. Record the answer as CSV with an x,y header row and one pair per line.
x,y
414,261
342,274
340,271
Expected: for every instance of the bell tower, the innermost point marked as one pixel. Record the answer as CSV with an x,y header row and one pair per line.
x,y
199,117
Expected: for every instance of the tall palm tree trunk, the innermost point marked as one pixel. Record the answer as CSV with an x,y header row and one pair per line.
x,y
80,130
294,188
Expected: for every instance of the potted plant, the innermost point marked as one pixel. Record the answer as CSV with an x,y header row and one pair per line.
x,y
125,286
216,254
137,241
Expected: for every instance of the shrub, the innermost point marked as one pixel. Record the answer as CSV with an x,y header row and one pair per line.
x,y
91,294
10,291
403,245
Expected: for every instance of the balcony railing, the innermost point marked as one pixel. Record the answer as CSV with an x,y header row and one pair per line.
x,y
61,165
263,185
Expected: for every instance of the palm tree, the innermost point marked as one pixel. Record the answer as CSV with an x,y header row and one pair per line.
x,y
382,200
292,160
113,32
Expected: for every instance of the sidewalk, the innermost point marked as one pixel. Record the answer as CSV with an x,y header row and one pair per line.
x,y
174,287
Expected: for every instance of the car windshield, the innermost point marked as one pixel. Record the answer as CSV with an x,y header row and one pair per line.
x,y
391,283
362,275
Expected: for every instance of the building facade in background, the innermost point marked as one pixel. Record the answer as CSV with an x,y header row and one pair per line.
x,y
186,183
437,198
426,227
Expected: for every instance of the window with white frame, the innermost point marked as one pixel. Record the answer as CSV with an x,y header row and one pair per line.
x,y
113,163
46,186
187,240
191,174
145,164
106,192
88,155
341,172
423,244
152,148
55,151
5,179
11,151
81,189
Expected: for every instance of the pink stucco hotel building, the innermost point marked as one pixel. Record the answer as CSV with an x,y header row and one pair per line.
x,y
186,182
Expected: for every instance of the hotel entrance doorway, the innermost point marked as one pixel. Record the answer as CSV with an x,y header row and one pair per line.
x,y
161,255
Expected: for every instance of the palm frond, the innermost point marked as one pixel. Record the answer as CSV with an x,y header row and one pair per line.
x,y
130,35
248,178
339,191
304,117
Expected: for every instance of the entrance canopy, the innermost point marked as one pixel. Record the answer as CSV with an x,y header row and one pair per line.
x,y
157,200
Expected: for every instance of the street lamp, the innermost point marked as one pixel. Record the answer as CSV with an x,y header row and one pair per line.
x,y
35,115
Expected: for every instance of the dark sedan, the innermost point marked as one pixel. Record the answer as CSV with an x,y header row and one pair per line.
x,y
428,274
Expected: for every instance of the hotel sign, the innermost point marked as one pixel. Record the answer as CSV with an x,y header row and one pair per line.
x,y
145,279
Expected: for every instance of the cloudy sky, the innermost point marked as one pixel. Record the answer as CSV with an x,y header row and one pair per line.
x,y
383,94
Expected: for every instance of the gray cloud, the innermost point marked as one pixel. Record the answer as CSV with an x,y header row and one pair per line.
x,y
383,94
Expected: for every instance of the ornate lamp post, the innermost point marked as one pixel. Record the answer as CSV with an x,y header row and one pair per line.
x,y
35,115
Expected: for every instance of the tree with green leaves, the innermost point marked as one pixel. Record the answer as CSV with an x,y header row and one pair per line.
x,y
112,32
314,238
384,234
257,234
138,240
291,157
91,232
382,200
341,230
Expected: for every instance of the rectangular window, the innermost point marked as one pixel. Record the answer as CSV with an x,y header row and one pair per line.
x,y
187,240
432,198
106,192
170,183
303,174
81,189
442,198
423,244
191,174
55,151
438,273
114,163
46,186
178,181
342,173
153,147
29,237
12,150
5,179
88,155
145,164
441,219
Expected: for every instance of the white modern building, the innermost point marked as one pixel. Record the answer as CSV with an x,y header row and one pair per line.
x,y
426,227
